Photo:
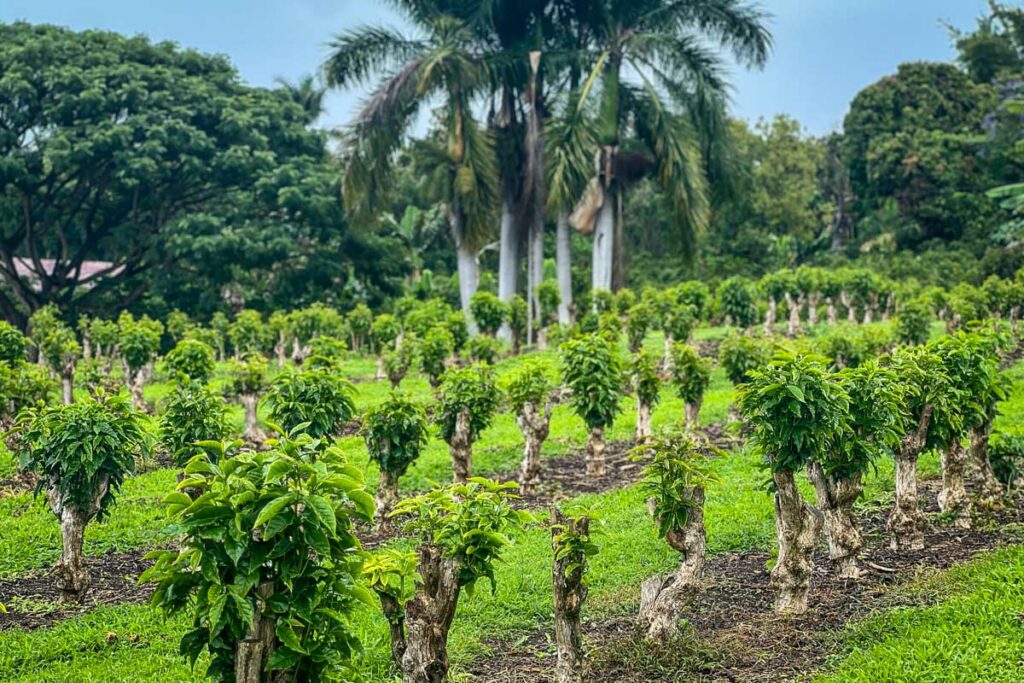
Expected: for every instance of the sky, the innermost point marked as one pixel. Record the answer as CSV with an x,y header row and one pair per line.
x,y
825,50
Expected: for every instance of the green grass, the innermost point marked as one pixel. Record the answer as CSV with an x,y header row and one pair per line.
x,y
974,633
132,643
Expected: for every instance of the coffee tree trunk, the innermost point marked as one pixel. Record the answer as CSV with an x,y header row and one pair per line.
x,y
907,523
835,500
252,426
812,308
663,599
380,373
395,615
770,315
643,420
67,387
428,617
461,448
253,651
691,414
991,488
797,525
535,425
831,313
387,496
72,574
570,591
953,499
595,452
794,315
851,310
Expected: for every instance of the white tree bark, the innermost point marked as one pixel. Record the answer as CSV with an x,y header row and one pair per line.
x,y
906,522
252,432
953,498
569,591
643,420
770,315
428,617
604,246
535,426
831,312
508,260
798,526
691,414
835,500
664,598
991,488
253,651
595,453
461,448
563,266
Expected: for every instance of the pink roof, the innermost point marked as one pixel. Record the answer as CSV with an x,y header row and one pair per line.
x,y
25,268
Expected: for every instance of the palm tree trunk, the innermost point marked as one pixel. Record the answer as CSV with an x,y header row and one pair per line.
x,y
508,259
604,246
563,266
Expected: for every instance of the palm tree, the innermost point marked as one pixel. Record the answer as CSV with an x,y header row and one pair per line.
x,y
445,66
307,93
658,76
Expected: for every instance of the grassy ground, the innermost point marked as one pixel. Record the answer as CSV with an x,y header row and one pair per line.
x,y
135,643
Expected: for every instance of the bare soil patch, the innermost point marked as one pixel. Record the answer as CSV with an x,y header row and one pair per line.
x,y
735,635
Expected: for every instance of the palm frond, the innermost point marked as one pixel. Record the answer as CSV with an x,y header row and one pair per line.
x,y
356,56
678,161
570,141
736,25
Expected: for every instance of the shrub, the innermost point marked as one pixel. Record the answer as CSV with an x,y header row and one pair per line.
x,y
13,344
518,314
434,350
737,301
249,334
467,401
193,414
913,324
739,354
192,359
483,349
395,433
1006,452
639,319
592,370
326,352
691,374
83,451
360,323
268,548
528,389
398,362
384,333
317,398
463,530
489,312
549,299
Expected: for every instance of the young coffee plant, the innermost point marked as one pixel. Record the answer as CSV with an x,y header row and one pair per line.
x,y
463,530
360,325
61,350
268,566
739,355
972,363
247,383
383,336
913,323
316,399
82,451
572,546
677,322
639,319
483,349
395,433
249,334
876,417
398,361
518,322
798,412
326,353
1006,452
391,574
13,344
434,350
23,385
192,360
138,345
676,474
528,389
193,414
467,400
691,375
737,305
647,387
931,422
489,312
593,372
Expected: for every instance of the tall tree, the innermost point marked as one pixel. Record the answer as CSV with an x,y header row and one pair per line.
x,y
445,65
114,148
658,78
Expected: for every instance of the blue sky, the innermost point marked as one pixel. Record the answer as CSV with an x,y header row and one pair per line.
x,y
825,50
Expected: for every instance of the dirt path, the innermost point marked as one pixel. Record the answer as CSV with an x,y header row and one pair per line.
x,y
736,636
